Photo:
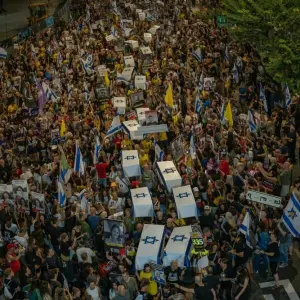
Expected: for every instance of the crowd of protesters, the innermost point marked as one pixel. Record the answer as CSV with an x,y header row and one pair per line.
x,y
59,252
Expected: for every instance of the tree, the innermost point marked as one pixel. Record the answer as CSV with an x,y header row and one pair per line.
x,y
273,27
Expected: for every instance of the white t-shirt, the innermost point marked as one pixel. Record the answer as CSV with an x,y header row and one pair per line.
x,y
88,251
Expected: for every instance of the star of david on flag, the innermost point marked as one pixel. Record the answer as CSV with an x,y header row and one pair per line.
x,y
290,216
179,238
150,240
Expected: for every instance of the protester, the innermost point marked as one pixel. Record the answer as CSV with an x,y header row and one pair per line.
x,y
70,225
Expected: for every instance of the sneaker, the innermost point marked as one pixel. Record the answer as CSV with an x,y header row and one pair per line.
x,y
283,265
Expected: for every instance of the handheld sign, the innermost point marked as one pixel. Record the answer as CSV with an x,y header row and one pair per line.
x,y
264,198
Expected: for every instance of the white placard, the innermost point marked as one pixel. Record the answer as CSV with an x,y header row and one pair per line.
x,y
146,50
168,174
147,37
131,163
101,70
129,61
134,44
38,202
264,198
142,202
153,29
20,192
150,245
140,82
142,16
120,104
185,201
127,73
140,112
132,129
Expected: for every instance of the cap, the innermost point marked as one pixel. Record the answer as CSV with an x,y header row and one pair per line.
x,y
206,207
195,189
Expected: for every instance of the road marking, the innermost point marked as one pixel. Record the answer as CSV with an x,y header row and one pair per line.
x,y
269,297
287,286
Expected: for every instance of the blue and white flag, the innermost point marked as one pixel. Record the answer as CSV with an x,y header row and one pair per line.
x,y
197,54
159,154
245,229
192,147
33,51
86,65
65,171
222,111
287,96
49,93
198,103
122,79
49,50
69,91
114,127
291,216
251,122
78,164
61,195
201,82
226,55
59,59
87,14
86,92
114,31
97,150
3,53
263,98
235,74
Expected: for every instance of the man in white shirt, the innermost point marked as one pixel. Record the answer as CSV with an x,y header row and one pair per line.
x,y
88,252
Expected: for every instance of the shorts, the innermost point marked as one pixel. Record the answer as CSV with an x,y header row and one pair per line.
x,y
273,267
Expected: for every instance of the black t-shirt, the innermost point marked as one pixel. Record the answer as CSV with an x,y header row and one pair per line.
x,y
64,248
228,273
274,248
207,221
239,247
202,292
55,235
172,276
211,282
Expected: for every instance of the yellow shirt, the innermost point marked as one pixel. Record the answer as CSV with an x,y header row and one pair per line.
x,y
163,136
144,159
12,108
152,287
147,145
128,144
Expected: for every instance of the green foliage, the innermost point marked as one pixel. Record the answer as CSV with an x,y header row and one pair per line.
x,y
273,27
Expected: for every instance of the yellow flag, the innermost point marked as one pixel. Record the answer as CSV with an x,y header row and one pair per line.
x,y
228,114
63,129
169,96
106,80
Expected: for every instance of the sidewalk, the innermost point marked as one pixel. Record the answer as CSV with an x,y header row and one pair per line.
x,y
16,17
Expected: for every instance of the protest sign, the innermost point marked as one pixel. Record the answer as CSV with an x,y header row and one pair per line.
x,y
264,198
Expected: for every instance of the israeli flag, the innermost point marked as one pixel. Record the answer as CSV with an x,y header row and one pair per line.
x,y
114,31
86,92
192,147
245,229
201,82
198,103
49,51
3,53
69,91
291,216
89,60
222,111
226,55
78,164
49,93
114,127
263,98
86,65
61,195
287,96
197,54
235,74
251,121
159,154
122,79
59,59
87,14
97,150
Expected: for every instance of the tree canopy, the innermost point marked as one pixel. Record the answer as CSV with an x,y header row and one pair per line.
x,y
273,27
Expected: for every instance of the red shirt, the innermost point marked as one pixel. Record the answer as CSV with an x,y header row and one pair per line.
x,y
101,170
118,141
224,167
